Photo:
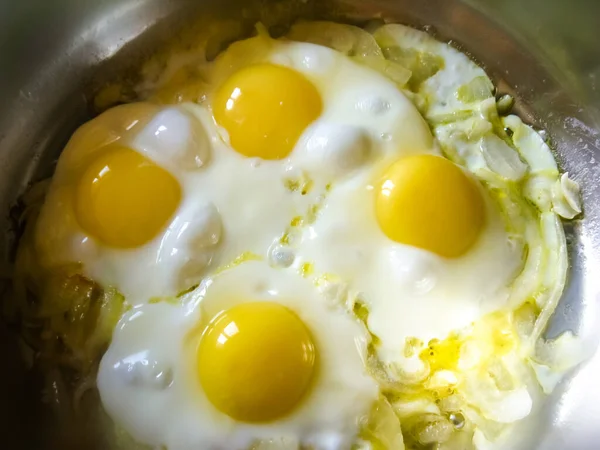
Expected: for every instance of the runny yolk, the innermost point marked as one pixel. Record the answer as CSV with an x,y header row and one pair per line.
x,y
123,199
256,361
426,201
265,108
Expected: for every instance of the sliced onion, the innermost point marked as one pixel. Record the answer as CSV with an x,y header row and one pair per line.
x,y
382,429
393,34
505,103
408,408
397,73
501,158
538,189
566,200
562,353
530,145
495,405
546,377
554,269
347,39
436,431
476,90
454,116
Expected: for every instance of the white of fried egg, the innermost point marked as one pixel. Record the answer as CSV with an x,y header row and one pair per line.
x,y
310,106
253,354
146,198
120,207
419,242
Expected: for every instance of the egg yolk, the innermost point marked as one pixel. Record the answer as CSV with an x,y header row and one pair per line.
x,y
426,201
123,199
256,361
265,108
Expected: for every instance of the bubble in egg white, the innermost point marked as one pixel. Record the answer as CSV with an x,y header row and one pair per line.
x,y
334,292
306,57
144,373
281,256
373,105
416,272
174,136
190,241
336,148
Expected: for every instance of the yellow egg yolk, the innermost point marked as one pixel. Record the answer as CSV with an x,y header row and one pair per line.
x,y
123,199
256,361
426,201
265,108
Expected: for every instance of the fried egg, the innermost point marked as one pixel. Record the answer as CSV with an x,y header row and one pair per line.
x,y
120,206
309,107
414,238
253,355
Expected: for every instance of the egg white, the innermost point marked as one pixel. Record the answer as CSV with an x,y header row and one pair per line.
x,y
364,114
406,288
148,379
173,139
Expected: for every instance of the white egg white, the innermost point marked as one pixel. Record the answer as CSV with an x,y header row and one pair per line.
x,y
405,288
148,379
364,114
173,139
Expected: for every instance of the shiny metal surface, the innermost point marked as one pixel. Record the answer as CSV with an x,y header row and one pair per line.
x,y
54,54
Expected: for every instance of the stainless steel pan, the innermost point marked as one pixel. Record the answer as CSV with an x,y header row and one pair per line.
x,y
54,53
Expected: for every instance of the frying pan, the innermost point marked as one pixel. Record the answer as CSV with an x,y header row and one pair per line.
x,y
55,54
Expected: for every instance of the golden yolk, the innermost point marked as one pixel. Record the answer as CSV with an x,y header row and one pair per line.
x,y
265,108
256,361
428,202
124,199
